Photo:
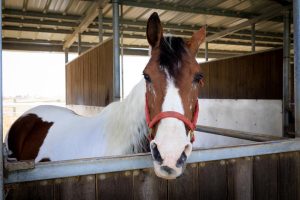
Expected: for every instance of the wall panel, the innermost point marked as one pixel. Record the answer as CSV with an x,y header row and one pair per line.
x,y
254,76
89,78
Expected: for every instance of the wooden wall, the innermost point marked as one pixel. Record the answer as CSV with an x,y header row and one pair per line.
x,y
268,177
89,78
255,76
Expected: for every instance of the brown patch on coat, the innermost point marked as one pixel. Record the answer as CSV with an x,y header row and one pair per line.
x,y
26,136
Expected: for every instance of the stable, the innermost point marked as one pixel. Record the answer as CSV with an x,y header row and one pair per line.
x,y
250,105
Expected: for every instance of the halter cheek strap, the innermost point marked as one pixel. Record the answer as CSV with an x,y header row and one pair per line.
x,y
191,124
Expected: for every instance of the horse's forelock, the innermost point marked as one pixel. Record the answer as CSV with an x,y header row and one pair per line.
x,y
171,53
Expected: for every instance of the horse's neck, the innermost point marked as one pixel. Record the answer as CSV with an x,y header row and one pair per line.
x,y
125,121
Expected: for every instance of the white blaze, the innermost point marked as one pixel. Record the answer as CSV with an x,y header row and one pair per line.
x,y
171,138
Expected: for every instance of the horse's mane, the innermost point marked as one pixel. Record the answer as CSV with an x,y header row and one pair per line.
x,y
171,52
125,121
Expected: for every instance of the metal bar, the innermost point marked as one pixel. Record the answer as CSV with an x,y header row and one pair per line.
x,y
79,43
116,49
1,114
242,25
66,55
191,9
129,50
296,7
60,169
127,22
237,134
100,24
206,51
253,38
134,36
127,26
122,54
286,72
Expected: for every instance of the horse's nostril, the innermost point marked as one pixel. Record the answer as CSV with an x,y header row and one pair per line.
x,y
181,160
167,169
155,153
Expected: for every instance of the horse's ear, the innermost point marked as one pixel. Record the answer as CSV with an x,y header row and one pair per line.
x,y
154,30
197,39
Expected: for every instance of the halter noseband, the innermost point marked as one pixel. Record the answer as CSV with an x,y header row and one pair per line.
x,y
172,114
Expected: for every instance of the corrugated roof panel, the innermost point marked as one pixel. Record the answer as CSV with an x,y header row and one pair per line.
x,y
197,20
36,5
58,6
167,16
229,4
134,12
269,26
180,18
13,4
79,7
148,12
216,21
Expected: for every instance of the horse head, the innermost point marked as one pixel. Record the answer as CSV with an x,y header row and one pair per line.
x,y
173,81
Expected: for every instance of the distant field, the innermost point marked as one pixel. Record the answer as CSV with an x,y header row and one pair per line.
x,y
13,108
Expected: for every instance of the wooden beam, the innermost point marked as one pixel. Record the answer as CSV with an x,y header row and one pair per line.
x,y
91,14
264,17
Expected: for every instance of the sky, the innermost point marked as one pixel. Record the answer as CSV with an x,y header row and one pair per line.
x,y
42,74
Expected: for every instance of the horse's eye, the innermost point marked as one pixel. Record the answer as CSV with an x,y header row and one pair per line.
x,y
147,78
198,77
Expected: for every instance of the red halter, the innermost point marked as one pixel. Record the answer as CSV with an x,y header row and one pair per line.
x,y
172,114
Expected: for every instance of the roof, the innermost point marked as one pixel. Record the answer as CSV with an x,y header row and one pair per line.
x,y
47,24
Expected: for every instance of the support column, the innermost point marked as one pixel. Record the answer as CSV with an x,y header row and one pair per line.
x,y
116,49
79,43
100,24
1,114
122,54
286,72
296,8
66,55
253,38
206,51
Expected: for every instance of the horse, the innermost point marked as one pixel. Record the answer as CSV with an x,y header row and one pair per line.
x,y
159,115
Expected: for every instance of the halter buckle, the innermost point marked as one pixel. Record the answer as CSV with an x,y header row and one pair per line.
x,y
150,136
192,136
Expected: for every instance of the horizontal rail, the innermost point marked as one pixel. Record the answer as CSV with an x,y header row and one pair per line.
x,y
238,134
60,169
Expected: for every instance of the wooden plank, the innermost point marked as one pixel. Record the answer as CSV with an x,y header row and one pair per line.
x,y
186,186
30,191
79,188
115,186
276,74
90,77
265,169
213,180
254,76
289,164
204,92
240,179
146,185
245,77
